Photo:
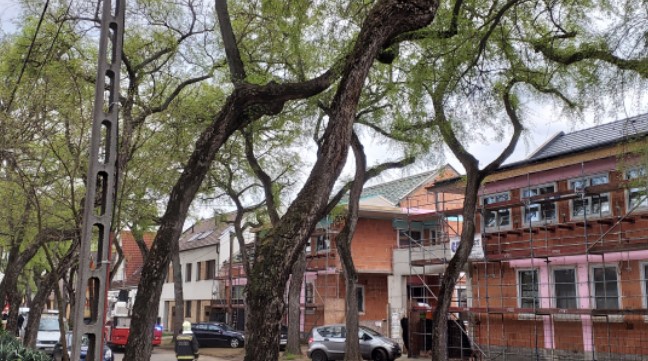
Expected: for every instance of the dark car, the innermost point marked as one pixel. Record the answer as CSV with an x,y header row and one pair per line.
x,y
215,334
283,337
58,349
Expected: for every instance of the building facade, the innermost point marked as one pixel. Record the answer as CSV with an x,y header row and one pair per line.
x,y
204,248
565,241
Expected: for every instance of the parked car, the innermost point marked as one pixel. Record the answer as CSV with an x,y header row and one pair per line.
x,y
283,337
327,343
214,334
49,332
58,349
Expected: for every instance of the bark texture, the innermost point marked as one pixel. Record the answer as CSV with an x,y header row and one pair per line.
x,y
178,292
343,243
248,102
474,178
279,249
294,305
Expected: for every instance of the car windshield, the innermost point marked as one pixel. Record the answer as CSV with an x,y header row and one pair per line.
x,y
369,331
48,324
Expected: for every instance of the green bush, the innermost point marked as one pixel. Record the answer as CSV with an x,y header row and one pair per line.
x,y
12,350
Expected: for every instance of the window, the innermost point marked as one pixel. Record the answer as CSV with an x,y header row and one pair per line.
x,y
198,271
637,197
565,288
323,243
188,272
187,308
417,235
418,294
539,212
645,282
238,293
498,218
528,288
307,249
210,269
606,287
408,237
361,299
462,297
308,293
596,205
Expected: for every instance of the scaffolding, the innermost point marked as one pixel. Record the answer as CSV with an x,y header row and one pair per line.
x,y
564,273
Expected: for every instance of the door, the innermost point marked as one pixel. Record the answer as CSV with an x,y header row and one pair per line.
x,y
365,344
336,341
217,336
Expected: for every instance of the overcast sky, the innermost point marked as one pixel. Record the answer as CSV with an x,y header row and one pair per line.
x,y
541,122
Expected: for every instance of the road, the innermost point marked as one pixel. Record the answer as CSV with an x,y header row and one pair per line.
x,y
162,354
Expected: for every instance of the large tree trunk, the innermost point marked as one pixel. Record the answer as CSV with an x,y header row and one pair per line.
x,y
276,252
294,306
247,103
178,317
455,266
37,306
474,178
343,243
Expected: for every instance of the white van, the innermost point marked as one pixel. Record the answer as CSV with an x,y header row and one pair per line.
x,y
49,332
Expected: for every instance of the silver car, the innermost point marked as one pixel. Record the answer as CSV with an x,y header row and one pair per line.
x,y
327,343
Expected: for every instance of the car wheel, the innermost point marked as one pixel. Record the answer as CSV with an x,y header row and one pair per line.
x,y
234,342
318,355
380,355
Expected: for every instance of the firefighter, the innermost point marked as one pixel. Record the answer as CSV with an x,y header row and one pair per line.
x,y
186,346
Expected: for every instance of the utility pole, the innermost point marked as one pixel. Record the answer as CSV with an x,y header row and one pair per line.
x,y
94,253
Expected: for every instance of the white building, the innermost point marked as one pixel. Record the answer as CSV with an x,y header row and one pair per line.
x,y
203,249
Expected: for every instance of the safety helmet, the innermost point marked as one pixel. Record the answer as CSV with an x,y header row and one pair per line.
x,y
186,326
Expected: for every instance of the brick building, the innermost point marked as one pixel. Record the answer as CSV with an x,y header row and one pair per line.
x,y
565,268
129,272
397,223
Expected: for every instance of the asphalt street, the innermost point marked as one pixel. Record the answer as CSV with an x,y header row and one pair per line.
x,y
163,354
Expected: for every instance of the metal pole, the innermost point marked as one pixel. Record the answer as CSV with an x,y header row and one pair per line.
x,y
94,254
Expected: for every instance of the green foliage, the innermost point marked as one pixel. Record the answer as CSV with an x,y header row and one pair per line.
x,y
11,349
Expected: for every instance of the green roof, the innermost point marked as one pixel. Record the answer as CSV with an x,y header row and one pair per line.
x,y
396,190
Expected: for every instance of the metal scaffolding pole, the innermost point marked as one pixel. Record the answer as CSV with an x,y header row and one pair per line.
x,y
94,254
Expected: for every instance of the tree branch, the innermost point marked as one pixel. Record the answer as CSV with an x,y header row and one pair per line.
x,y
232,53
265,179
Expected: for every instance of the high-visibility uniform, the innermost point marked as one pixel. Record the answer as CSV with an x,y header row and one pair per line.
x,y
186,347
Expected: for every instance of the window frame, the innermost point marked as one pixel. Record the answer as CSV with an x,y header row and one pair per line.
x,y
360,289
309,293
542,219
497,226
188,269
242,293
518,282
554,298
643,205
593,283
428,237
589,200
198,270
210,269
323,238
644,283
461,291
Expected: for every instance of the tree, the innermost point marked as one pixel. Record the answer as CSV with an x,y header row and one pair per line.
x,y
248,102
478,68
